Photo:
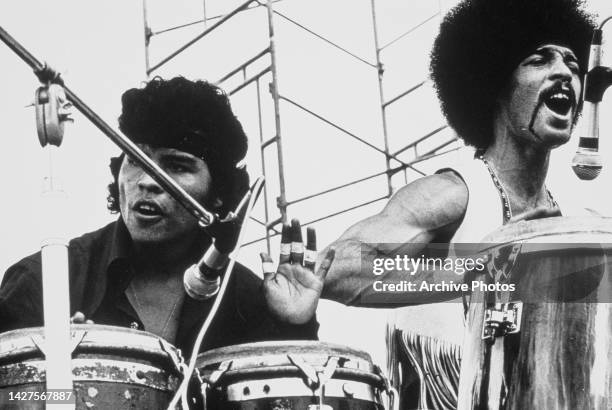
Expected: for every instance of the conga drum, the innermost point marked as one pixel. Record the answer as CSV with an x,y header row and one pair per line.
x,y
539,321
113,368
289,376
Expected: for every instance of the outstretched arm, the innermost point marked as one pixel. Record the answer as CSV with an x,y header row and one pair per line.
x,y
428,209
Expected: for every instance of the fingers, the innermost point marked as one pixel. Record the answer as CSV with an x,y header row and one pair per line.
x,y
326,264
285,247
310,254
297,245
79,318
267,265
292,246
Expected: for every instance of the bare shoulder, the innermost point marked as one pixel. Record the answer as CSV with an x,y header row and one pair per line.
x,y
433,201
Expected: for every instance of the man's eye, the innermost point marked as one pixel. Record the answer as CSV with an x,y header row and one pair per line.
x,y
130,161
176,168
574,67
536,60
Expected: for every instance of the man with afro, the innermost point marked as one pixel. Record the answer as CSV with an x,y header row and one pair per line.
x,y
508,74
130,272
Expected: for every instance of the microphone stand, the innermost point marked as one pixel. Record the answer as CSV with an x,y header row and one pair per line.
x,y
587,162
249,201
51,115
46,75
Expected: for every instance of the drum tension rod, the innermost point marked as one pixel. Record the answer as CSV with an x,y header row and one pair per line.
x,y
500,320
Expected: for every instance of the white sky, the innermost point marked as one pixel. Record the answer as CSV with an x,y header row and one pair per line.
x,y
99,48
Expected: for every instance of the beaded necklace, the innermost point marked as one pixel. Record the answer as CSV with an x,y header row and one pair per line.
x,y
502,192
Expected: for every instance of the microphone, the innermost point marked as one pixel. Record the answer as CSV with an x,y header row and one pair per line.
x,y
587,162
202,280
200,284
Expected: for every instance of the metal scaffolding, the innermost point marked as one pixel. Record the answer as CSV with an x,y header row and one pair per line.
x,y
393,163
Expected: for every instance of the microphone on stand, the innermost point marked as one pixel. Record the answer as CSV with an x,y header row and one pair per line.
x,y
203,279
587,163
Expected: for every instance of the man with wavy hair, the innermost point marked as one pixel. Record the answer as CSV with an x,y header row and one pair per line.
x,y
130,272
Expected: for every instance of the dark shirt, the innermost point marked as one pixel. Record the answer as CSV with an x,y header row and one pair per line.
x,y
100,271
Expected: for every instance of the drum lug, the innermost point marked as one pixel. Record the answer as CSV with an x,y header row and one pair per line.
x,y
502,261
501,320
392,394
307,370
175,356
316,379
216,375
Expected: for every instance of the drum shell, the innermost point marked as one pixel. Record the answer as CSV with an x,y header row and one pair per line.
x,y
261,376
562,356
113,368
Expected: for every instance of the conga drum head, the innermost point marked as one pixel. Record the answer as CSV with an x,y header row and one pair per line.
x,y
113,367
561,259
546,342
290,375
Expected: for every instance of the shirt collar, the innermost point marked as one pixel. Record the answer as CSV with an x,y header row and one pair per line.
x,y
121,243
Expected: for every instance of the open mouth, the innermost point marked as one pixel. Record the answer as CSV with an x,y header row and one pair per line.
x,y
147,208
560,100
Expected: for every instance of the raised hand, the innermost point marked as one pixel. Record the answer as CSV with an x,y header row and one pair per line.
x,y
292,290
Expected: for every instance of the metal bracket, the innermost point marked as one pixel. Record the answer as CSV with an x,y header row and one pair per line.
x,y
501,262
215,375
307,370
174,355
501,320
392,393
316,379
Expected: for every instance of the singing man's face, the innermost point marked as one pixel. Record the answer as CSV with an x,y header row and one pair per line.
x,y
539,106
151,215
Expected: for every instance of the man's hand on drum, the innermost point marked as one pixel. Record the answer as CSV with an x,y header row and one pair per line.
x,y
292,290
537,213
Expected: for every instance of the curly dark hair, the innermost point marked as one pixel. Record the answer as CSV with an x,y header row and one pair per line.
x,y
195,117
480,44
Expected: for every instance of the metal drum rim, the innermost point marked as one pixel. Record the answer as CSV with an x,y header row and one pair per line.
x,y
95,339
262,373
526,231
246,350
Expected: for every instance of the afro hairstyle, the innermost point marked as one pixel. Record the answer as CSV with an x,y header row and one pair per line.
x,y
480,44
192,116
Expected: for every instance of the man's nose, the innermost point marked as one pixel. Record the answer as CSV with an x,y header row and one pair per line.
x,y
560,70
145,182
